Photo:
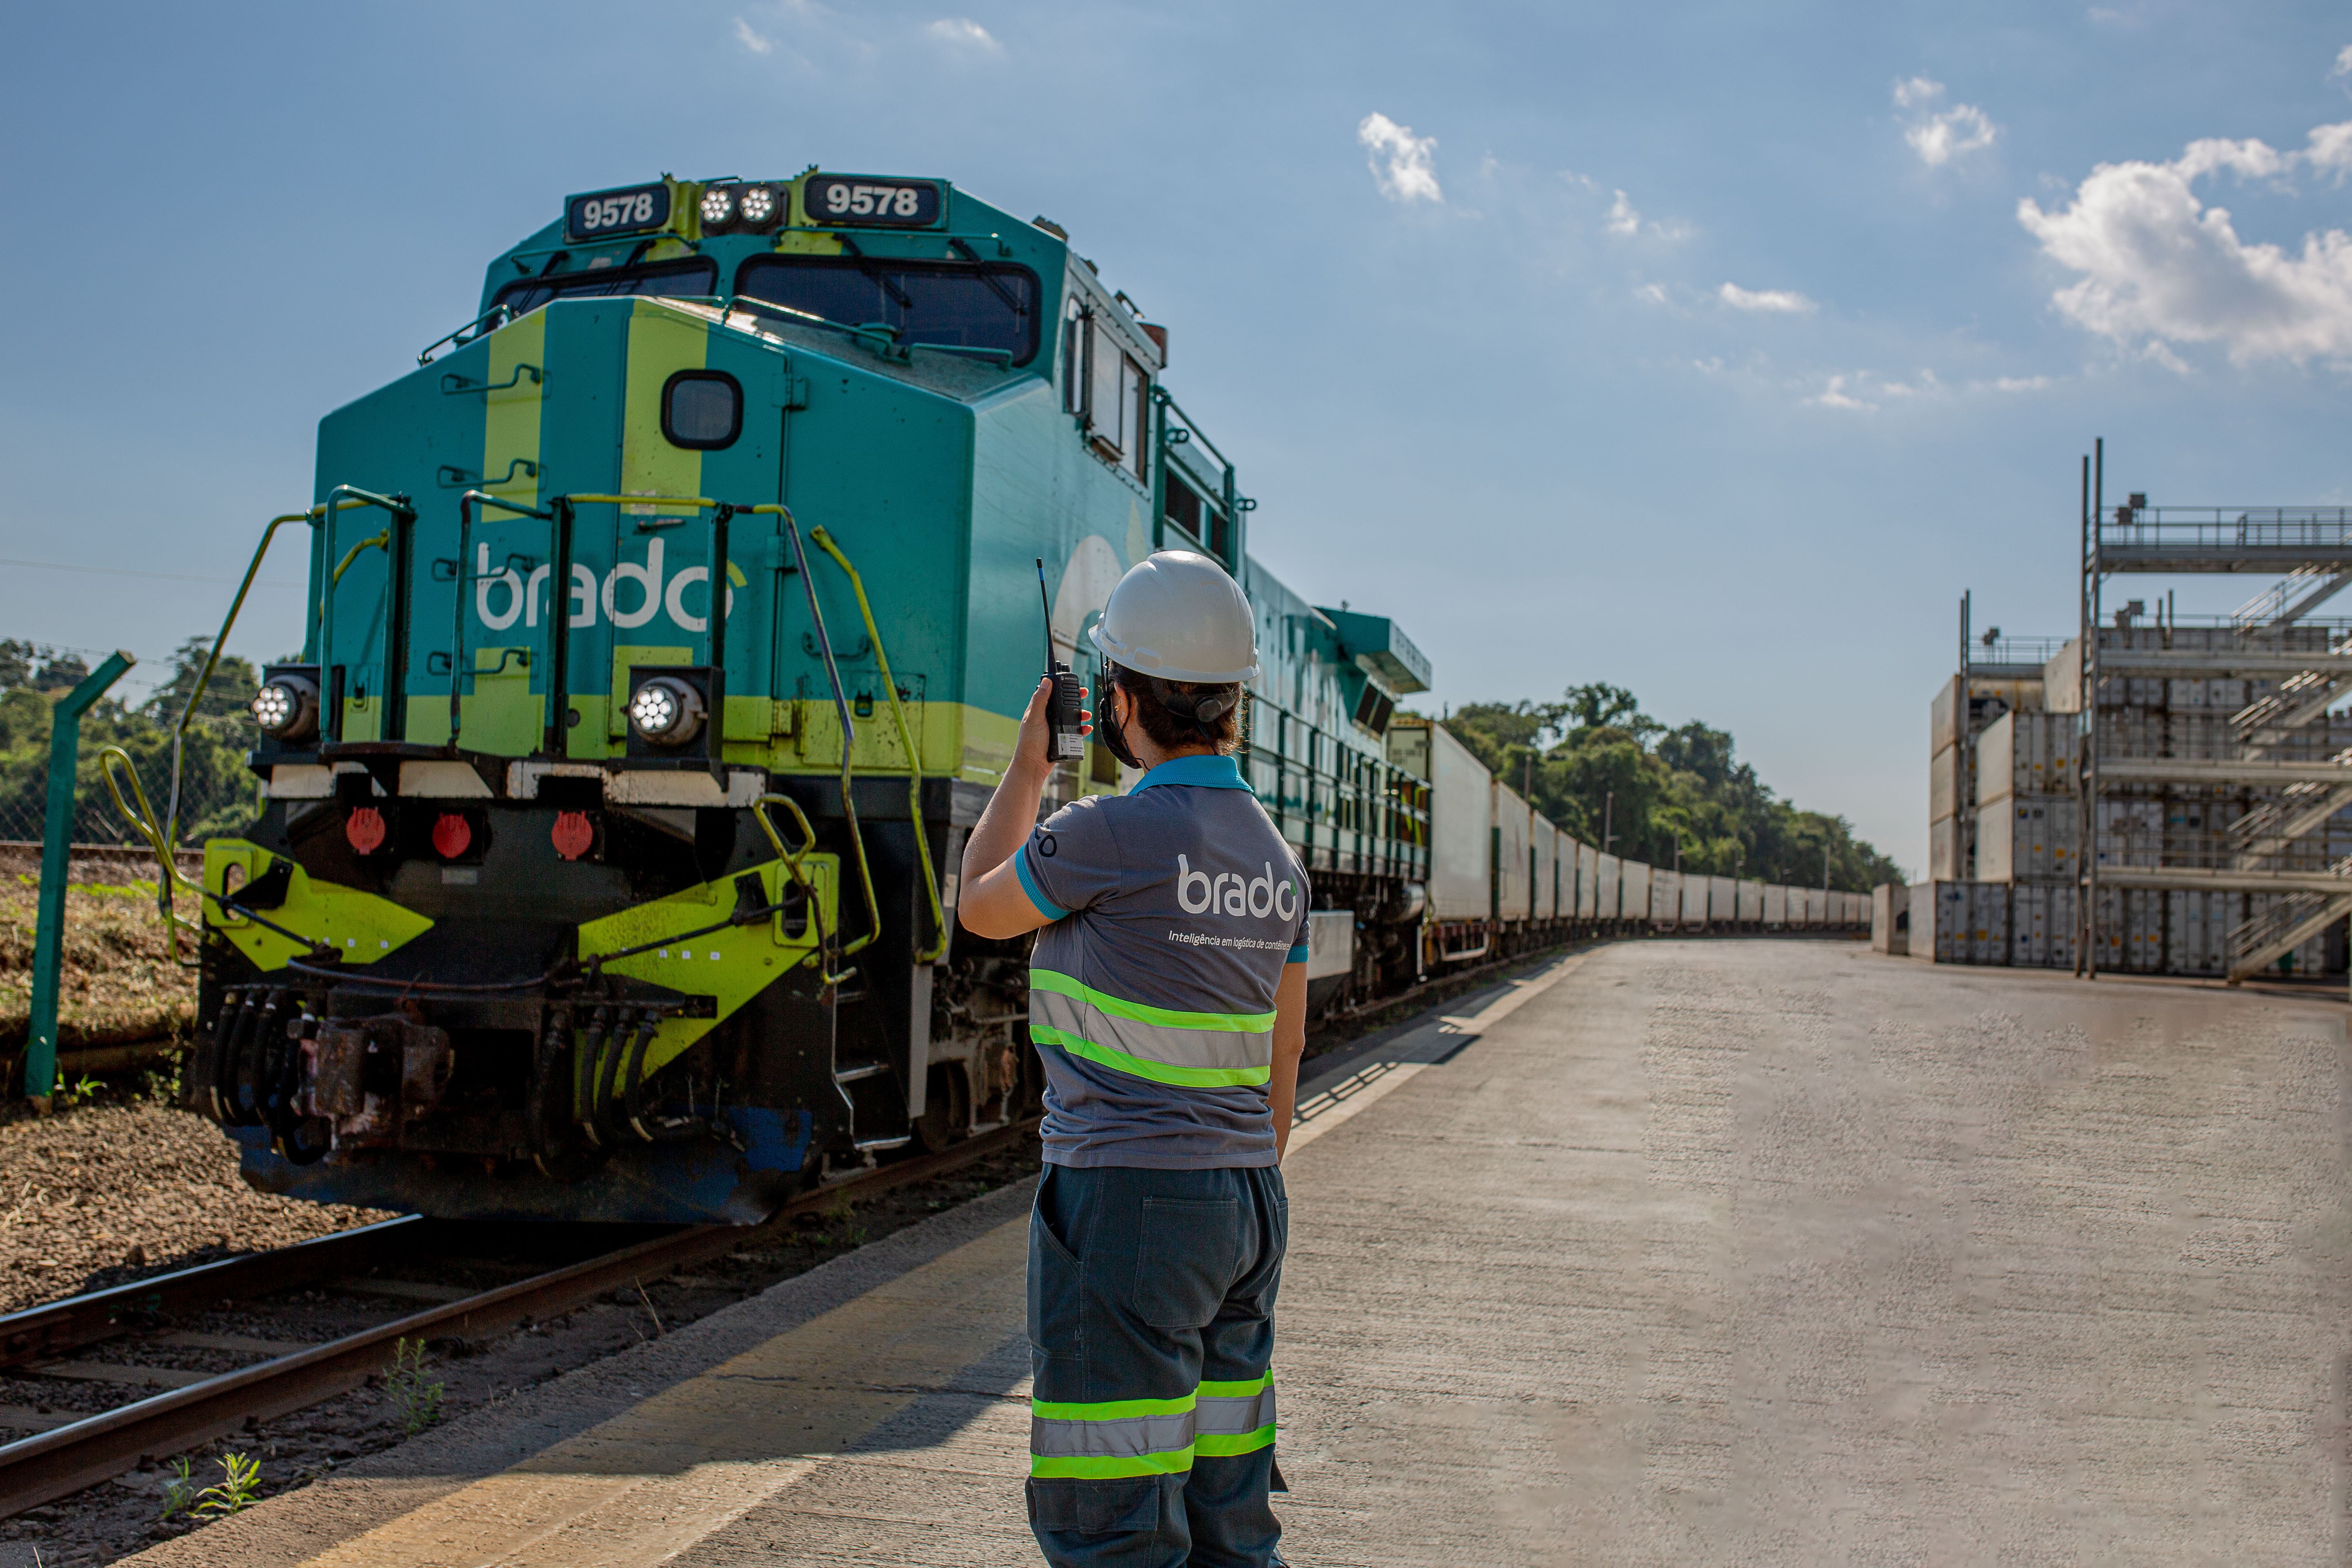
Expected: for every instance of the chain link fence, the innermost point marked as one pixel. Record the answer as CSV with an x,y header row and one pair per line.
x,y
217,792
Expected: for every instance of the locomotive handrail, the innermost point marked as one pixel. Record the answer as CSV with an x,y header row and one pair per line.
x,y
466,333
463,386
373,542
906,739
466,505
848,726
342,499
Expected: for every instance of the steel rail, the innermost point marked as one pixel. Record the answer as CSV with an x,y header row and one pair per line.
x,y
47,1332
57,1463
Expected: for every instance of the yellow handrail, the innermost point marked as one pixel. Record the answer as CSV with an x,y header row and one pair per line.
x,y
824,542
142,822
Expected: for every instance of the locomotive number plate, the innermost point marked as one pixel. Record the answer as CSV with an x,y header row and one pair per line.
x,y
874,203
605,214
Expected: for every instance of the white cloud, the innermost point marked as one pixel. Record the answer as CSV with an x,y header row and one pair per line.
x,y
1940,135
2343,62
1835,395
2020,383
2159,265
964,31
1782,301
1399,159
1655,293
750,39
1622,219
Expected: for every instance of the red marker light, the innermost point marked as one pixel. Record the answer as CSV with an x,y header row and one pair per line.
x,y
451,833
572,836
363,829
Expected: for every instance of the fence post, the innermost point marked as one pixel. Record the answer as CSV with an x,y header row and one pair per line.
x,y
57,857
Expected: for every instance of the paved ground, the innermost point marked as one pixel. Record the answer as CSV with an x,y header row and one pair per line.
x,y
1707,1252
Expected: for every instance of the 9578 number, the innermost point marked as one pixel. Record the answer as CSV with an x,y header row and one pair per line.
x,y
893,203
619,212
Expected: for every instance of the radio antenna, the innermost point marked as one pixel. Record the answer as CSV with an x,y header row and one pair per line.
x,y
1047,600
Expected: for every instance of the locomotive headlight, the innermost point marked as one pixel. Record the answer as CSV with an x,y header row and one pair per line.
x,y
758,205
717,206
287,708
666,711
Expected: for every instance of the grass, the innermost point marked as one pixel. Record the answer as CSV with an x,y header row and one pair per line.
x,y
118,983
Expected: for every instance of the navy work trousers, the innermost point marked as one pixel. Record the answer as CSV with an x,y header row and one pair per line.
x,y
1151,1338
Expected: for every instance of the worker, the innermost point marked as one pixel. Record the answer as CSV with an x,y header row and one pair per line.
x,y
1167,999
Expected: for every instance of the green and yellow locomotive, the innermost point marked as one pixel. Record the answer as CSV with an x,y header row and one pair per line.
x,y
667,626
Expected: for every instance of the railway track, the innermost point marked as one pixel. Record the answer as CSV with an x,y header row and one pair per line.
x,y
82,1453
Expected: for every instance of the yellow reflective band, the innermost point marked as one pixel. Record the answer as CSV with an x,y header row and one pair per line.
x,y
1225,1445
1166,1017
1108,1469
1158,1072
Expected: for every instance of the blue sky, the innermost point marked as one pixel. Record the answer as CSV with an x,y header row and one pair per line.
x,y
1710,351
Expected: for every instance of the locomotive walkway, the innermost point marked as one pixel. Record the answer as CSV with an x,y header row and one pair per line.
x,y
1684,1252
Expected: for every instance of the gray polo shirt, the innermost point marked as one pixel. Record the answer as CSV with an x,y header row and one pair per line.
x,y
1175,908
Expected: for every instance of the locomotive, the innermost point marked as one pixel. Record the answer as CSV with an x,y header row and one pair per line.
x,y
667,626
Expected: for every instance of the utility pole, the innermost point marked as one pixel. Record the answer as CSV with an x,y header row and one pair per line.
x,y
1608,808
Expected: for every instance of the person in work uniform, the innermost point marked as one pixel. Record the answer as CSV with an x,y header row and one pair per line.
x,y
1168,998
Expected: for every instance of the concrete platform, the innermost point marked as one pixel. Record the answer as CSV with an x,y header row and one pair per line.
x,y
1687,1252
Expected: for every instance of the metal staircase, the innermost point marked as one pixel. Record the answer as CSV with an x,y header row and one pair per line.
x,y
2266,832
2294,919
2264,724
2291,598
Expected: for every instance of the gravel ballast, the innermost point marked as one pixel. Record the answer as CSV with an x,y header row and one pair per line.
x,y
100,1194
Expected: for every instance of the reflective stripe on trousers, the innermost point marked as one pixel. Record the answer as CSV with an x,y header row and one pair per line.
x,y
1165,1045
1150,1436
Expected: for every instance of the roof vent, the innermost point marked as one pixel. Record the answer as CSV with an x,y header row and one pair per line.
x,y
1050,227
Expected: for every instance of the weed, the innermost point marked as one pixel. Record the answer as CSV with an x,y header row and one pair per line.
x,y
180,1492
237,1490
88,1087
415,1398
838,1230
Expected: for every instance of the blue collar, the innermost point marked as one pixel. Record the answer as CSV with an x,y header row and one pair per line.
x,y
1202,771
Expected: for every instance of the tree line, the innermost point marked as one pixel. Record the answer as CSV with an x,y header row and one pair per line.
x,y
217,792
1596,764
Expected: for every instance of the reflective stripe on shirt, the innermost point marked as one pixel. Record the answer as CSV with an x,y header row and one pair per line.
x,y
1197,1050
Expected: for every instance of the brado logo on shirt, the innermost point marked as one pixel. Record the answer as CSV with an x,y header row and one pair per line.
x,y
1229,893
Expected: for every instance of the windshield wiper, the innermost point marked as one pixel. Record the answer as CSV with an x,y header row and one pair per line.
x,y
874,273
994,282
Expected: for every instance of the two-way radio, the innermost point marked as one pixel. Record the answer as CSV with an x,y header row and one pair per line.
x,y
1066,740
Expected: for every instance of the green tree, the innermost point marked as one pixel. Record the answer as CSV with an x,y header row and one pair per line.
x,y
1595,764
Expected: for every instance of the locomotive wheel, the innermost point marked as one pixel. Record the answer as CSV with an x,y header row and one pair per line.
x,y
947,1109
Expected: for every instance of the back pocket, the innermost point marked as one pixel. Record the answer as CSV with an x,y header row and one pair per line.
x,y
1187,1259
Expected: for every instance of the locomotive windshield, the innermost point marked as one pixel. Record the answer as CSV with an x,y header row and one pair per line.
x,y
934,303
695,279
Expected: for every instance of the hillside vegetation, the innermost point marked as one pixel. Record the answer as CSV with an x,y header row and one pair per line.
x,y
1670,786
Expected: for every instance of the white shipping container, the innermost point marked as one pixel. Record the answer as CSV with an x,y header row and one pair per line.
x,y
1512,822
1944,850
1946,786
1633,890
1722,900
1665,897
1461,831
1751,903
1588,891
1694,900
1775,904
1544,899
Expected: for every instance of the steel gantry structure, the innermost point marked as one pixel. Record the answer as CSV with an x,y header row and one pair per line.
x,y
2273,769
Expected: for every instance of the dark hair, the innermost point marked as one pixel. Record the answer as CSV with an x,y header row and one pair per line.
x,y
1170,729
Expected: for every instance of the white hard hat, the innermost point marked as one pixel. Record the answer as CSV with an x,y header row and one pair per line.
x,y
1179,615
